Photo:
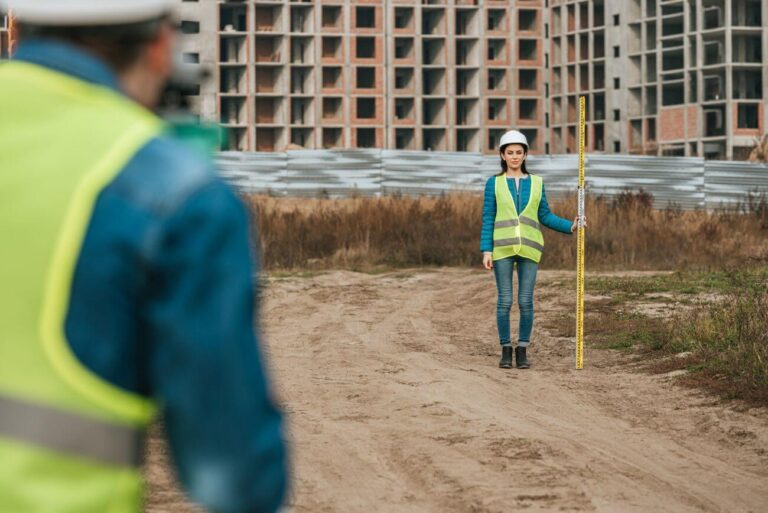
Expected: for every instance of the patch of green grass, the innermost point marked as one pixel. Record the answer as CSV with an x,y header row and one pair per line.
x,y
725,332
622,332
626,285
731,336
619,329
681,282
621,344
660,299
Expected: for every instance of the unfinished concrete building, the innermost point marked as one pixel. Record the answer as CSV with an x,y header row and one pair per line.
x,y
662,77
426,75
669,77
666,77
577,66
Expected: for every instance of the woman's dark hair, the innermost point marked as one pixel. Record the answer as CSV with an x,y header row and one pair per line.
x,y
503,162
119,45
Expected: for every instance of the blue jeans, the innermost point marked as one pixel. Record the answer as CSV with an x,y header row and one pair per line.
x,y
526,278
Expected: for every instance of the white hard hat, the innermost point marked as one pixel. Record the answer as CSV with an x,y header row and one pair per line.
x,y
513,137
86,12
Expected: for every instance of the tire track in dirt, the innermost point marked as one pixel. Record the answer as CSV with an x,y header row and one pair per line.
x,y
407,410
396,404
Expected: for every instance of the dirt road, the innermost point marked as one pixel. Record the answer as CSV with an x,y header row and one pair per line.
x,y
396,404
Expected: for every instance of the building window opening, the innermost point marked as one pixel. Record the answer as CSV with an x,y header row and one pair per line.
x,y
365,47
366,108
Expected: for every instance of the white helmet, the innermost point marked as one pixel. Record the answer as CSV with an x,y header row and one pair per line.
x,y
513,137
86,12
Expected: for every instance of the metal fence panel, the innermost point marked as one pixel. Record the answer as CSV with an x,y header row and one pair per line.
x,y
687,182
333,172
430,172
730,182
671,180
254,173
560,172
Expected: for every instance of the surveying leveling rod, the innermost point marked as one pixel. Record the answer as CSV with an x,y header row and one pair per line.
x,y
580,246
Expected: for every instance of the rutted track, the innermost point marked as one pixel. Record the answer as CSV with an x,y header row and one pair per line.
x,y
396,404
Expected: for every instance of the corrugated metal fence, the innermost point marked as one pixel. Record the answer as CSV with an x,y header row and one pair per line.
x,y
687,182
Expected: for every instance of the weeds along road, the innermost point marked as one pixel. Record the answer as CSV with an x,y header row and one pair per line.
x,y
396,404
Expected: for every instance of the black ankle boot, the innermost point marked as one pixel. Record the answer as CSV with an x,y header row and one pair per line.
x,y
520,360
506,357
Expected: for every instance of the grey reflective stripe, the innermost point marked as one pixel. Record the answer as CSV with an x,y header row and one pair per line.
x,y
506,242
70,433
515,241
506,224
532,244
530,222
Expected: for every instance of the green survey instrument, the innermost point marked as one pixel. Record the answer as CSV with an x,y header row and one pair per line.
x,y
580,245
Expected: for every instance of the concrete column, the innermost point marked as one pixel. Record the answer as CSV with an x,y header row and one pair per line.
x,y
659,67
316,104
388,73
730,125
686,67
764,12
346,72
699,73
250,78
418,121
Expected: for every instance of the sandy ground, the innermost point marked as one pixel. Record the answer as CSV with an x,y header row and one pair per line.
x,y
396,404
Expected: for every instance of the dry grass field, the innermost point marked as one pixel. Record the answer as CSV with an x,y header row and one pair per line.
x,y
624,234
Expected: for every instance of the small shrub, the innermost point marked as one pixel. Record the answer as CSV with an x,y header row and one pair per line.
x,y
724,342
730,336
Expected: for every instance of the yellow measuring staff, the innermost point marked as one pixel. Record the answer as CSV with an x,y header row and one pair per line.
x,y
580,245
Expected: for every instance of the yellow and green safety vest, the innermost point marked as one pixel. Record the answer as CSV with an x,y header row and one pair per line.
x,y
70,442
515,234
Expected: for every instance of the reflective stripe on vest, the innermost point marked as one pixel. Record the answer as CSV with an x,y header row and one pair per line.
x,y
515,222
66,432
515,234
531,222
506,224
500,243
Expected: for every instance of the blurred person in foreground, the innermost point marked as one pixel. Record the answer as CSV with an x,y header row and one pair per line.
x,y
127,280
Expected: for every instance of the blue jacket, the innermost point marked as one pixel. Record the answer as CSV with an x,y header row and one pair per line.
x,y
520,198
162,305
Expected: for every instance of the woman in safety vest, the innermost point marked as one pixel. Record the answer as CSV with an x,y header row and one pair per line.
x,y
514,208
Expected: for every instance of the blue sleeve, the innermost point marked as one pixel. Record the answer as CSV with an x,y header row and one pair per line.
x,y
224,428
549,219
489,215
